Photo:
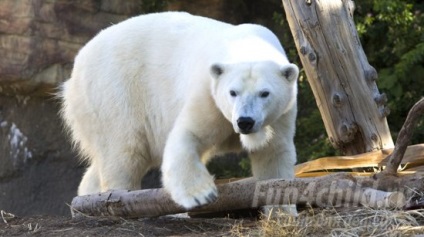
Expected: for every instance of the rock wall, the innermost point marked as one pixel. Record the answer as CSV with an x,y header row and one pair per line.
x,y
39,172
39,39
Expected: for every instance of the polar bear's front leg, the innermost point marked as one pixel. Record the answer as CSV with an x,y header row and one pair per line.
x,y
276,161
185,177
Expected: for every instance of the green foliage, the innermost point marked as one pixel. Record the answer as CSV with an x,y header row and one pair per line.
x,y
392,35
245,166
230,166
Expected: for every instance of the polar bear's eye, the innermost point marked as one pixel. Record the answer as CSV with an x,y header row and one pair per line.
x,y
264,94
233,93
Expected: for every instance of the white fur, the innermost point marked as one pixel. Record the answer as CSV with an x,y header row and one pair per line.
x,y
143,89
255,141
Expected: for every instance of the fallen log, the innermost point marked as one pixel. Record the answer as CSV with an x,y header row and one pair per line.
x,y
332,190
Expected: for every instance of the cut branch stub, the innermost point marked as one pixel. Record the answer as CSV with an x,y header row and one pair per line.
x,y
337,100
340,76
371,74
381,99
348,132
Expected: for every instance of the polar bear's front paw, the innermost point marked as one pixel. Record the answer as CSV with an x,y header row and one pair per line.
x,y
193,190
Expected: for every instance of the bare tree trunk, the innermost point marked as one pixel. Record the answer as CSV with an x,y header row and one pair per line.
x,y
353,110
328,191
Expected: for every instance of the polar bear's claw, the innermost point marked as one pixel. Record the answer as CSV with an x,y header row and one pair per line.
x,y
212,197
209,198
197,200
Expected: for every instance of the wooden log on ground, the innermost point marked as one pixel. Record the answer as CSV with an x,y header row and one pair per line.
x,y
343,82
332,190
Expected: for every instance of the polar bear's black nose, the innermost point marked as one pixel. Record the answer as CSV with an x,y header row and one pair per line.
x,y
245,124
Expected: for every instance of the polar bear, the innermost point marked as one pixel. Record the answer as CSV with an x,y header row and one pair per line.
x,y
172,90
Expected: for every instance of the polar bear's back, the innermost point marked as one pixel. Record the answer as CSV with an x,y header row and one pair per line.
x,y
175,40
168,37
142,36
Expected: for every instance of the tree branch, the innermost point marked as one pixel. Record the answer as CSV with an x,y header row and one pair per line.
x,y
404,138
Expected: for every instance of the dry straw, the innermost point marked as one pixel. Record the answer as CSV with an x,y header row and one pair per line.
x,y
338,222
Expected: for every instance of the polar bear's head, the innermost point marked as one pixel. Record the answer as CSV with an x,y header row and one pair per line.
x,y
254,95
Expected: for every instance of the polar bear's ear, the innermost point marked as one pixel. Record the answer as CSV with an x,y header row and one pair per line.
x,y
290,72
217,70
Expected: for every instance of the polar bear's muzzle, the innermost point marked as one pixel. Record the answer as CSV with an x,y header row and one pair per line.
x,y
245,124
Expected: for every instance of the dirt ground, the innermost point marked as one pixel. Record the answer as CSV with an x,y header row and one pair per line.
x,y
89,226
342,221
